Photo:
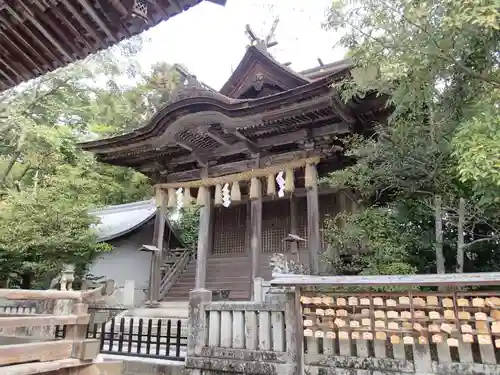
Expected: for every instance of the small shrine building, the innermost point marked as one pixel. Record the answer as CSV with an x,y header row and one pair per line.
x,y
250,155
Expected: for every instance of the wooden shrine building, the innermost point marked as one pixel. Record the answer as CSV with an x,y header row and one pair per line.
x,y
250,156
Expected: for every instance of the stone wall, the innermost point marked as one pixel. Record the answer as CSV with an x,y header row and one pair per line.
x,y
151,368
145,366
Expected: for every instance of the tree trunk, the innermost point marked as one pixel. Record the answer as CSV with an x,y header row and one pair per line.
x,y
9,167
460,240
439,235
26,280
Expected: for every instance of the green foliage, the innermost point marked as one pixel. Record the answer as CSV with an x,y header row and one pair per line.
x,y
477,150
39,233
47,184
438,62
372,235
186,223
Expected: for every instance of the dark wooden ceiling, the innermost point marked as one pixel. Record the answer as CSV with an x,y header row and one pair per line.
x,y
38,36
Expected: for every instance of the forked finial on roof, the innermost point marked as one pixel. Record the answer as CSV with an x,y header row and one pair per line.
x,y
265,43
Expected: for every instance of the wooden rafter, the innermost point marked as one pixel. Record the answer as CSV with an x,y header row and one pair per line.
x,y
83,23
46,50
23,43
38,36
29,14
97,19
198,157
253,147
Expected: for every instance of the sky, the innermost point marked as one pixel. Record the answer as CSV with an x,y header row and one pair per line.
x,y
209,40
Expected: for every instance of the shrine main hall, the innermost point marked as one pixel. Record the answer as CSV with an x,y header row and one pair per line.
x,y
251,156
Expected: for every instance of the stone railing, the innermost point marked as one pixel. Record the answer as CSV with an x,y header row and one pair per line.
x,y
242,337
350,325
404,332
38,354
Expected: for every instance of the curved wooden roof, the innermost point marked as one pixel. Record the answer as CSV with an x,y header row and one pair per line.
x,y
39,36
201,127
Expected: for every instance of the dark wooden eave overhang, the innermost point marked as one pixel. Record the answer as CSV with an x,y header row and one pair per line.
x,y
212,129
326,69
39,36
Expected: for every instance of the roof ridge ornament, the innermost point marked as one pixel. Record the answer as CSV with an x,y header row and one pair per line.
x,y
189,86
260,43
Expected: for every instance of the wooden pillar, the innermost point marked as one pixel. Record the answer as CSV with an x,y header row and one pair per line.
x,y
211,228
313,237
255,235
204,239
156,257
294,228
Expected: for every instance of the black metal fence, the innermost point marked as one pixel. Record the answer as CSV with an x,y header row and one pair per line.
x,y
150,338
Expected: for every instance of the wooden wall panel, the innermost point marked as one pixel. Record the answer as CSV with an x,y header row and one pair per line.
x,y
230,230
231,225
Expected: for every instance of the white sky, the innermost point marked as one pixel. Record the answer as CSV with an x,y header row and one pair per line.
x,y
210,40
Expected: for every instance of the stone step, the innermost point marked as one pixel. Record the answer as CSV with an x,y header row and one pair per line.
x,y
233,283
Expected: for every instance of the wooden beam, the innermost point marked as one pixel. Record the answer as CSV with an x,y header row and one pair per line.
x,y
36,351
76,33
8,77
33,37
40,320
43,367
294,227
24,294
82,22
201,159
176,5
26,44
29,14
253,147
12,69
113,16
210,133
117,4
160,9
343,110
251,35
93,14
21,52
276,140
75,49
239,166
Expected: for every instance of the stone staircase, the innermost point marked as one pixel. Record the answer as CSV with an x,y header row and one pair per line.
x,y
231,273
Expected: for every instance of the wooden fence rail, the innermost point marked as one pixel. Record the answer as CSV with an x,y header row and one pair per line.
x,y
30,355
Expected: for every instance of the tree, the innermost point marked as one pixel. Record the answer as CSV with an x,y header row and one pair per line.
x,y
423,177
40,233
47,184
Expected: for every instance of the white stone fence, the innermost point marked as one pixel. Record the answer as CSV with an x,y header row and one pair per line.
x,y
356,325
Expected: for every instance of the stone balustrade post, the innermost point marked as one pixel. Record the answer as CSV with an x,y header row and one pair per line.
x,y
197,330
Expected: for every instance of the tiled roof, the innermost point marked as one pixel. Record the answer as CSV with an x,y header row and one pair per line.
x,y
119,220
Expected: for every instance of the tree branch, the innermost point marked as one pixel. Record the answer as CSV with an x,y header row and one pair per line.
x,y
484,77
481,240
